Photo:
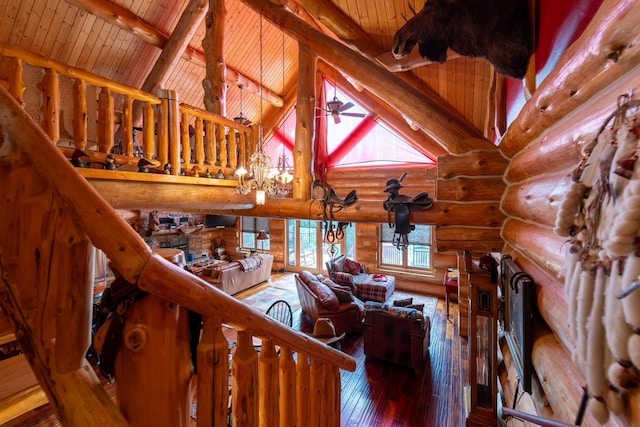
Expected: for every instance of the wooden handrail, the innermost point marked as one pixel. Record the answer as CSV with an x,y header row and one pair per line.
x,y
76,73
128,251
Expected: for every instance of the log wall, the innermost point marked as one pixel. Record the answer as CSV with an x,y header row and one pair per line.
x,y
544,144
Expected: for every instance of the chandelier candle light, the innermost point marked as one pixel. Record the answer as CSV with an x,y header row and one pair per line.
x,y
264,178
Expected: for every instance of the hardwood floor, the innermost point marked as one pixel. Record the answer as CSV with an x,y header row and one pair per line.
x,y
379,393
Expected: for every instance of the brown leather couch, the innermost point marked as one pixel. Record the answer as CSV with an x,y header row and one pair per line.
x,y
235,277
318,300
393,335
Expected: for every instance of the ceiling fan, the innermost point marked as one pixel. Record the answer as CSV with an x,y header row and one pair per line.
x,y
336,108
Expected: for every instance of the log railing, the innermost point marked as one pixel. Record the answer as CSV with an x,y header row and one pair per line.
x,y
171,133
51,218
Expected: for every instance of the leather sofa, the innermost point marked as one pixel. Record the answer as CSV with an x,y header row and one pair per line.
x,y
318,299
237,276
396,334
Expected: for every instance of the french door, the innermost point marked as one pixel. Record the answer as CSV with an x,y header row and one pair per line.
x,y
308,251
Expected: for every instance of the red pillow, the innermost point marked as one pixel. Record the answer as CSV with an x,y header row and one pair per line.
x,y
352,267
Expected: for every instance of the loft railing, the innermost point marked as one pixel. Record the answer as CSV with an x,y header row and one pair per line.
x,y
172,134
51,216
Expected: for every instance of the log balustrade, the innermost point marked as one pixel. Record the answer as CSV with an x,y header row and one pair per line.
x,y
46,292
172,133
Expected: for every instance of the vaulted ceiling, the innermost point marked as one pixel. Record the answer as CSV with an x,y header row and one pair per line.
x,y
123,39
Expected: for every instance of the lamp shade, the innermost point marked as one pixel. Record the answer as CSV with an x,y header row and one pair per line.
x,y
262,235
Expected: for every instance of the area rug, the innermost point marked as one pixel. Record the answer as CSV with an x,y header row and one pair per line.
x,y
263,299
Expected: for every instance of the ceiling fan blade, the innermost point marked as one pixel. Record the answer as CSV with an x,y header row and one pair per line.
x,y
353,114
345,106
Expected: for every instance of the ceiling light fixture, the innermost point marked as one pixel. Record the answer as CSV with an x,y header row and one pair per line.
x,y
260,168
240,118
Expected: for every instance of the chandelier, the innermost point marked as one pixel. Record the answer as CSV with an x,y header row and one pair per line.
x,y
263,177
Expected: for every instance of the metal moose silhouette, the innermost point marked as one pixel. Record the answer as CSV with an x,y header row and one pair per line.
x,y
497,30
401,205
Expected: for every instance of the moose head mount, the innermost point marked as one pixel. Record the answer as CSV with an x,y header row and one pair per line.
x,y
497,30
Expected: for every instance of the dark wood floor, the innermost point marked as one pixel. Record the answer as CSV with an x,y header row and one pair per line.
x,y
382,394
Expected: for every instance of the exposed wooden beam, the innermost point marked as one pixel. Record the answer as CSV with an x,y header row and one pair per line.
x,y
125,19
428,109
213,44
176,45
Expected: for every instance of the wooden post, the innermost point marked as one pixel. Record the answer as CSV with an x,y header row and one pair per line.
x,y
199,140
162,124
302,389
127,126
305,125
148,131
213,375
244,373
16,81
221,143
316,394
80,114
51,104
288,398
213,44
210,150
105,120
269,389
185,140
155,355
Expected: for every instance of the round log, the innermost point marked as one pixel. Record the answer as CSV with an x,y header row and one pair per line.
x,y
602,54
538,243
536,200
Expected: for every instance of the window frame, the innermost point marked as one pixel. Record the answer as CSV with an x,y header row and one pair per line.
x,y
408,254
250,226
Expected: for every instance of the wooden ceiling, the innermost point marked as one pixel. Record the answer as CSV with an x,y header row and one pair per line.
x,y
122,40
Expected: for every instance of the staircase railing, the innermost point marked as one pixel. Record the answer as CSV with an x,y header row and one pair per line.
x,y
50,218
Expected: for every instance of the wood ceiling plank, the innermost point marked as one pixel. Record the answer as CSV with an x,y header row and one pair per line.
x,y
90,45
11,8
77,46
17,36
67,31
49,22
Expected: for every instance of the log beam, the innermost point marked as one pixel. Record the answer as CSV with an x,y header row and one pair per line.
x,y
445,125
214,87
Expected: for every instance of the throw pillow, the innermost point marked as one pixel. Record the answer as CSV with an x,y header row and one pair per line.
x,y
326,296
375,306
344,296
403,302
409,313
351,266
338,264
419,307
342,278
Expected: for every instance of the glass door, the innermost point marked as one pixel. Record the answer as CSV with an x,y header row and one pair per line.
x,y
304,245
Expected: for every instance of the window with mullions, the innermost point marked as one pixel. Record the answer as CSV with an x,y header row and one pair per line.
x,y
250,227
417,256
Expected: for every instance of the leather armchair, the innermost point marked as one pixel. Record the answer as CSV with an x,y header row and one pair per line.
x,y
396,339
346,316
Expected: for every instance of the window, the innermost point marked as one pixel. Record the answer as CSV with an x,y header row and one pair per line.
x,y
250,227
417,256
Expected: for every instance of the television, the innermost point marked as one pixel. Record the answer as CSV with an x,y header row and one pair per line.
x,y
220,221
